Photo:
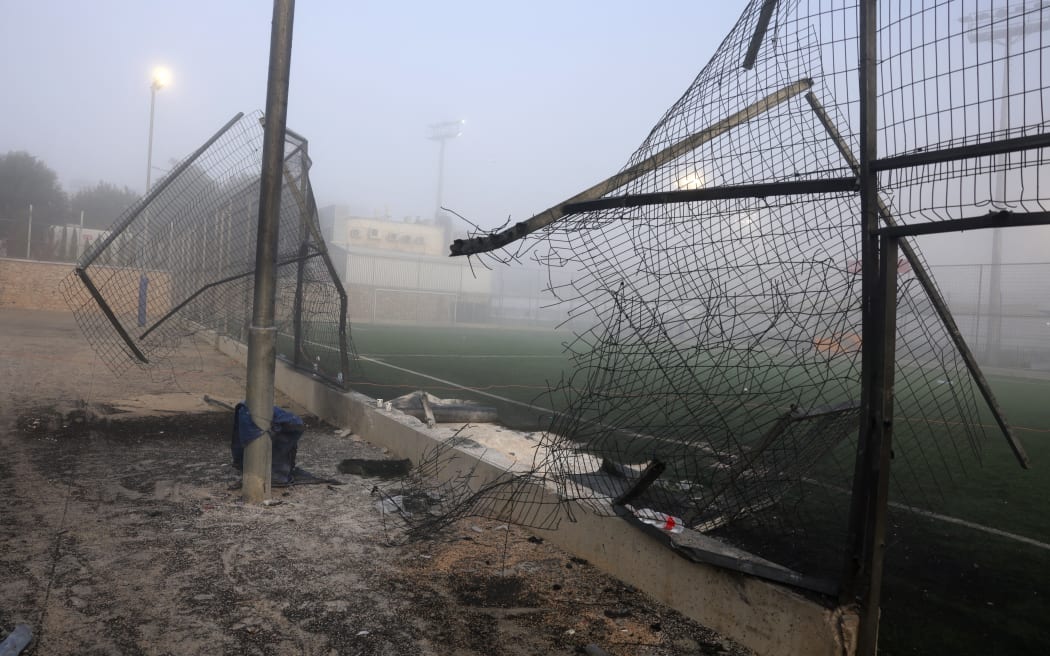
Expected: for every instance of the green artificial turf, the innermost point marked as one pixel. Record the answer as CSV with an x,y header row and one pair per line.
x,y
948,589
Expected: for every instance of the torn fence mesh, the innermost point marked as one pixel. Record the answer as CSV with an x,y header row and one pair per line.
x,y
714,283
183,259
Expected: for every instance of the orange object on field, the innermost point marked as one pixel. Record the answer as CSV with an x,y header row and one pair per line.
x,y
838,344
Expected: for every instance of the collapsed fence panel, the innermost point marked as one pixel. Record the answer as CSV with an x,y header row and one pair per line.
x,y
183,257
720,272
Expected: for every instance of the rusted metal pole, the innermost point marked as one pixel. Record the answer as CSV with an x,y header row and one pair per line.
x,y
262,335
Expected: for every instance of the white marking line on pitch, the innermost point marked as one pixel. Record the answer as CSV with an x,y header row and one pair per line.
x,y
458,356
948,519
900,506
976,527
462,387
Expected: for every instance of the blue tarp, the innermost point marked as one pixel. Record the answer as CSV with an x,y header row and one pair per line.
x,y
285,431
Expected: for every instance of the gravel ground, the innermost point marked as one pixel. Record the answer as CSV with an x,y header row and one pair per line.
x,y
121,535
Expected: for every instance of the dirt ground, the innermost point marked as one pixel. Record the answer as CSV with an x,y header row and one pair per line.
x,y
119,534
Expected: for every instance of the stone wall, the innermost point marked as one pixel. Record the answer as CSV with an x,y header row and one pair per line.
x,y
32,285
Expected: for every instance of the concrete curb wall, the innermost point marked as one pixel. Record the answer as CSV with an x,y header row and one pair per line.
x,y
768,618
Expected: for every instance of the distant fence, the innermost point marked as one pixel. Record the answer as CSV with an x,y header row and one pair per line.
x,y
1005,328
183,256
401,287
396,287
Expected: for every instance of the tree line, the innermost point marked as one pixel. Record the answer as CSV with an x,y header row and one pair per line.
x,y
26,180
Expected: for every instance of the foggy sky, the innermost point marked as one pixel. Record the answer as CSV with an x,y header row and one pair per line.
x,y
556,94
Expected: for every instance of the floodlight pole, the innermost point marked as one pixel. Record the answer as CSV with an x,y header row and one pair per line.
x,y
156,84
441,133
149,149
262,334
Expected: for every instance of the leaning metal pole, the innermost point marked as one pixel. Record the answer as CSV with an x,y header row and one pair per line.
x,y
491,242
922,275
262,335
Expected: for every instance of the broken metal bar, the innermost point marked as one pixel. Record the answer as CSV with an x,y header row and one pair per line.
x,y
648,477
790,188
493,241
157,190
1003,219
940,306
428,412
761,27
701,548
219,404
1000,147
106,310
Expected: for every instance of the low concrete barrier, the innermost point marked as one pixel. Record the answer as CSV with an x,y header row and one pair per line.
x,y
768,618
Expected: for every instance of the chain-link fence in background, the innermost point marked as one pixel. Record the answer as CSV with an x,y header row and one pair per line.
x,y
403,288
183,258
1006,322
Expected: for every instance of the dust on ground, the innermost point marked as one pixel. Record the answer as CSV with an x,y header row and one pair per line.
x,y
121,535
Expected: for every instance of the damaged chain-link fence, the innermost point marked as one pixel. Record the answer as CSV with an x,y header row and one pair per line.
x,y
182,259
717,279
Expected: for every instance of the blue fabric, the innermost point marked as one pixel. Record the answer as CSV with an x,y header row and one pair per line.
x,y
285,431
282,422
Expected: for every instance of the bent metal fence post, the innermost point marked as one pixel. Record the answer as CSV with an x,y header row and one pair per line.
x,y
191,239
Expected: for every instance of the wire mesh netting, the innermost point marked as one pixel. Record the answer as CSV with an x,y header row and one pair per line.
x,y
964,73
183,259
1021,309
722,327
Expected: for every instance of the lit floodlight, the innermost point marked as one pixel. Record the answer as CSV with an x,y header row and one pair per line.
x,y
161,77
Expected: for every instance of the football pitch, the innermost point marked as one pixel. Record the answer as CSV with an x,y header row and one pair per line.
x,y
512,370
972,576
